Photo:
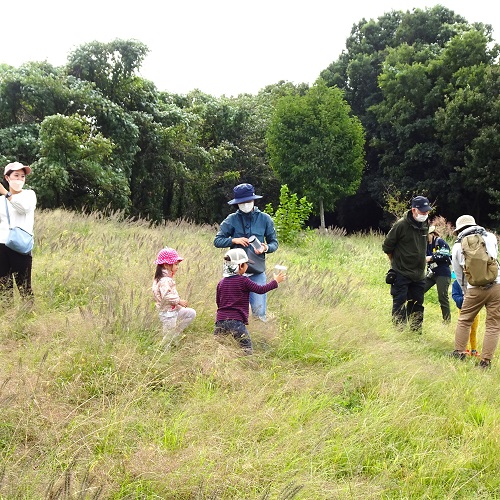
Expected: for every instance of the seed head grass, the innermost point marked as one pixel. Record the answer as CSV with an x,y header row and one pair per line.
x,y
334,402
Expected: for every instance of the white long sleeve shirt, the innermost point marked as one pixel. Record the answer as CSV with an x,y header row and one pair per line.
x,y
21,212
458,260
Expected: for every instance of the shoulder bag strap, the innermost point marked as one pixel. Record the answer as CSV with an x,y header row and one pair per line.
x,y
7,211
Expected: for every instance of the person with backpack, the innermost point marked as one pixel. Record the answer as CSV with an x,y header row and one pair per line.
x,y
405,246
474,260
438,270
457,294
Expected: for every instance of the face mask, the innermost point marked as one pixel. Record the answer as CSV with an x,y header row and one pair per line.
x,y
421,218
246,207
16,184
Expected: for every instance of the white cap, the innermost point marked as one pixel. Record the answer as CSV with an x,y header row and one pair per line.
x,y
16,166
237,256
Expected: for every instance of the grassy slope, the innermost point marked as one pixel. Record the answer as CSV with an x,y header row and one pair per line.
x,y
334,404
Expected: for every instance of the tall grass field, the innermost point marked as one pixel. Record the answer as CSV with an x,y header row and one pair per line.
x,y
335,403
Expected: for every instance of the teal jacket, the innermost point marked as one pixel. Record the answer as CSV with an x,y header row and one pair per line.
x,y
407,243
238,225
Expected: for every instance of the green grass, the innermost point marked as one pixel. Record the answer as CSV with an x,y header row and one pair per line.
x,y
335,403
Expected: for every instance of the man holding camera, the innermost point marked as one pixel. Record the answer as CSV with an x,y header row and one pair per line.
x,y
405,246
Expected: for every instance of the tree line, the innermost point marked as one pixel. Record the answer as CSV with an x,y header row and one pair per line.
x,y
411,106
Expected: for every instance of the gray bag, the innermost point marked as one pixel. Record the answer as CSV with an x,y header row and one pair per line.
x,y
18,239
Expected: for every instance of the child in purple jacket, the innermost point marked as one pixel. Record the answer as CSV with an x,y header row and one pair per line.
x,y
233,297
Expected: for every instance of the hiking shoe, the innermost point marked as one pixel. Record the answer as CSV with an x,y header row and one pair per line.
x,y
485,364
458,355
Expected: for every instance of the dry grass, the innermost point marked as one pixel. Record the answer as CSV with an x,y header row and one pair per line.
x,y
334,404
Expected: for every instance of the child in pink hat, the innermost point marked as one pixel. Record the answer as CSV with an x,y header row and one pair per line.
x,y
172,310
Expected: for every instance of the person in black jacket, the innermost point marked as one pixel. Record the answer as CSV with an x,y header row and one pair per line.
x,y
438,270
405,245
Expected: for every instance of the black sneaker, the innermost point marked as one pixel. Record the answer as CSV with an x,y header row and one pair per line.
x,y
485,364
458,355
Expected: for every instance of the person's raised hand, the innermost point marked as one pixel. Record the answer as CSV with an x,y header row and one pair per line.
x,y
241,241
281,276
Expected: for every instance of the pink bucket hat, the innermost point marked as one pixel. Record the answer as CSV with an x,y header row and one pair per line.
x,y
168,256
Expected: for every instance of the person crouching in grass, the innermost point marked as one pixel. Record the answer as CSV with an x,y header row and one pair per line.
x,y
233,298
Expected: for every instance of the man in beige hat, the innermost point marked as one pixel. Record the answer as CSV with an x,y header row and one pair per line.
x,y
476,296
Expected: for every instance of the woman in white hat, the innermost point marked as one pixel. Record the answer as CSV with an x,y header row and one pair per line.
x,y
20,204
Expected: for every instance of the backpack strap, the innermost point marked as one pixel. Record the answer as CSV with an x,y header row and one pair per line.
x,y
473,230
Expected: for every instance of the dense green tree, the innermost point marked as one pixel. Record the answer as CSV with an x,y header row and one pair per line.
x,y
72,170
420,84
316,146
19,143
31,92
398,73
424,85
468,127
112,66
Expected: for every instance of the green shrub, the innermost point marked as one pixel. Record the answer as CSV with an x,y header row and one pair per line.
x,y
289,218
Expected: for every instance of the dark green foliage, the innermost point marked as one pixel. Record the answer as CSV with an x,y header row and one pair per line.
x,y
73,169
19,143
424,85
407,75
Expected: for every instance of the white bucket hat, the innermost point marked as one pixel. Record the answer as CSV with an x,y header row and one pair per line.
x,y
464,221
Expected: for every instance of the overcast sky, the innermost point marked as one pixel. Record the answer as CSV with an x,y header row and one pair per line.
x,y
219,46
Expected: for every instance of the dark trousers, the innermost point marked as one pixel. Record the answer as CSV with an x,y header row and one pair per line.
x,y
237,329
15,267
443,286
408,302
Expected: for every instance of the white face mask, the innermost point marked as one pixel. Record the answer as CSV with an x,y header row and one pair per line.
x,y
246,207
16,184
421,218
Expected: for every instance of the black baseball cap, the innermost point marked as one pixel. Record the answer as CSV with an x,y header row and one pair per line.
x,y
421,203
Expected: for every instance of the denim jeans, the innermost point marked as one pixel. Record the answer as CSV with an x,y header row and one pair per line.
x,y
237,329
258,302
